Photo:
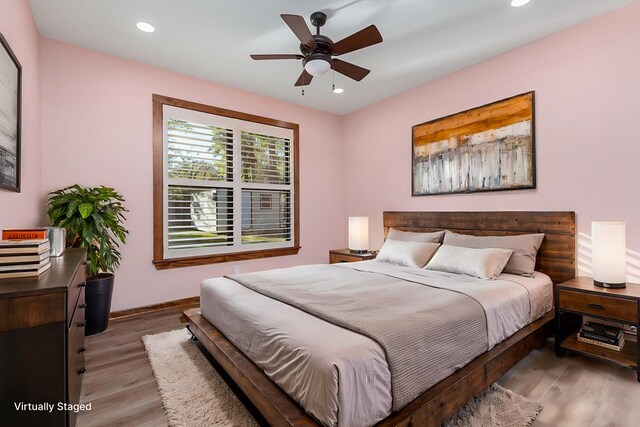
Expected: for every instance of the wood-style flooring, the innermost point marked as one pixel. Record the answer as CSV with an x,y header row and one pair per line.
x,y
575,391
119,381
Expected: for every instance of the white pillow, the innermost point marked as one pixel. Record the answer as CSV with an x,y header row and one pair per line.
x,y
408,254
524,246
483,263
412,236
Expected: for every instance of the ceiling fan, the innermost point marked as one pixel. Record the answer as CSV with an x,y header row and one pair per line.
x,y
319,51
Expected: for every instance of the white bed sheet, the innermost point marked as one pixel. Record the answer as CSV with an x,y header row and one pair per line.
x,y
339,376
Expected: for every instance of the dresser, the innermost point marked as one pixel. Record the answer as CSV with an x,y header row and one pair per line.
x,y
42,343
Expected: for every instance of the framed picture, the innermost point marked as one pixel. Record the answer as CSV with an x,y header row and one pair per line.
x,y
488,148
10,118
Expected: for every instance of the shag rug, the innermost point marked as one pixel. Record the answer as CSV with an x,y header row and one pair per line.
x,y
192,392
194,395
496,406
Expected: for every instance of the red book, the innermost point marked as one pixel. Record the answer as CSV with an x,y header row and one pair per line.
x,y
23,234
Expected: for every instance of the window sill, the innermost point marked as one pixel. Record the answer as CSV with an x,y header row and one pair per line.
x,y
164,264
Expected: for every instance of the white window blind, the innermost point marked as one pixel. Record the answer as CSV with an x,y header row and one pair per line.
x,y
228,184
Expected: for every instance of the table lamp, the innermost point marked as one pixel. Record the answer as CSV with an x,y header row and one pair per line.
x,y
608,254
358,234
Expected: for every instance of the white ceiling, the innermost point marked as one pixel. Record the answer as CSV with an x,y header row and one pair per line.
x,y
212,39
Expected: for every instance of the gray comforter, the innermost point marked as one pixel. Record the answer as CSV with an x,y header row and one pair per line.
x,y
418,326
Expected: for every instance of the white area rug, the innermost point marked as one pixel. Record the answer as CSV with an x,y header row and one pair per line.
x,y
496,406
194,395
192,392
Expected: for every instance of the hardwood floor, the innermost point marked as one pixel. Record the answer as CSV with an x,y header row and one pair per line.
x,y
119,381
575,391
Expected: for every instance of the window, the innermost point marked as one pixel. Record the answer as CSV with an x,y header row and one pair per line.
x,y
225,185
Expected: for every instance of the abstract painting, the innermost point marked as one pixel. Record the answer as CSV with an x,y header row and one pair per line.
x,y
10,76
488,148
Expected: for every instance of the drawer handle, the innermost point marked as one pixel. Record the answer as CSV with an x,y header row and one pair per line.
x,y
82,285
596,306
82,324
83,305
82,370
82,349
343,260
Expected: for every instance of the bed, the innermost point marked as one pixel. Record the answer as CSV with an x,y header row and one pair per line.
x,y
342,377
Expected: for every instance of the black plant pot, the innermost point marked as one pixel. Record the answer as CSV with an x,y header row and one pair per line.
x,y
98,299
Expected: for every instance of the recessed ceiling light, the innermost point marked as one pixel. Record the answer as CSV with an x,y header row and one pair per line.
x,y
338,90
518,3
148,28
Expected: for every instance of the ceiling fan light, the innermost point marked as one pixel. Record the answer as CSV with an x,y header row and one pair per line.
x,y
317,67
145,27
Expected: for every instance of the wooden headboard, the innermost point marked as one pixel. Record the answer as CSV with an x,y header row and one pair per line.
x,y
556,257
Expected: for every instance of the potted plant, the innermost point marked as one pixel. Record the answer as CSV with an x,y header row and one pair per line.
x,y
93,219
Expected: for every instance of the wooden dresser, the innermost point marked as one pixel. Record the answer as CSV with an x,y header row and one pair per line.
x,y
42,342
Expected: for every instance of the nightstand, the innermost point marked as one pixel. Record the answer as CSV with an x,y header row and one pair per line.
x,y
343,255
580,297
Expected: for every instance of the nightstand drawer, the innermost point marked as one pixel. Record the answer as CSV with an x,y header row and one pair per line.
x,y
614,308
338,258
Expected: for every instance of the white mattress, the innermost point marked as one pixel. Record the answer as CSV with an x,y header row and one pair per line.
x,y
339,376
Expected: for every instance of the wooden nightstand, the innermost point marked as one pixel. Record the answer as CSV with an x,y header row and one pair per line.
x,y
580,297
343,255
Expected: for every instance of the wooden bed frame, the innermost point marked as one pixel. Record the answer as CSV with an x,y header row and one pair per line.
x,y
556,258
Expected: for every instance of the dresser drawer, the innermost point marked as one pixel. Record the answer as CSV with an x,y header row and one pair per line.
x,y
614,308
335,259
75,358
77,284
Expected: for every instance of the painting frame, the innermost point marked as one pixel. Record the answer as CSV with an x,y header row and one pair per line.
x,y
6,50
532,185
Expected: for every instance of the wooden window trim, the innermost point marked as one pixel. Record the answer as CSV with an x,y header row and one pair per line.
x,y
162,263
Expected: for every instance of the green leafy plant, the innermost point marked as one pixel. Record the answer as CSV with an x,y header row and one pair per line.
x,y
93,218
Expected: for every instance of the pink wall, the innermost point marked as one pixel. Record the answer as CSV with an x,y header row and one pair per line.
x,y
96,113
587,83
19,29
96,110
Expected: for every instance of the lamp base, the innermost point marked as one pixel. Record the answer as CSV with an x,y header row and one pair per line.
x,y
610,285
359,251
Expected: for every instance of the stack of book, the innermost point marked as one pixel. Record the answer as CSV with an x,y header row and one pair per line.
x,y
606,336
24,258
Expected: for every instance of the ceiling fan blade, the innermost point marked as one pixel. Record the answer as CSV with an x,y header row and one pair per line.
x,y
304,79
276,56
363,38
350,70
300,29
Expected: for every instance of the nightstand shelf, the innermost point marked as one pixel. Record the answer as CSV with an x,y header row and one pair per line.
x,y
627,356
579,298
344,255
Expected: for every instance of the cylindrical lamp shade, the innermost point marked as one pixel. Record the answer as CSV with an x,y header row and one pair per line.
x,y
608,254
359,234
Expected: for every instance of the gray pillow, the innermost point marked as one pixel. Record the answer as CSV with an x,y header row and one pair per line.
x,y
483,263
407,254
525,248
410,236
